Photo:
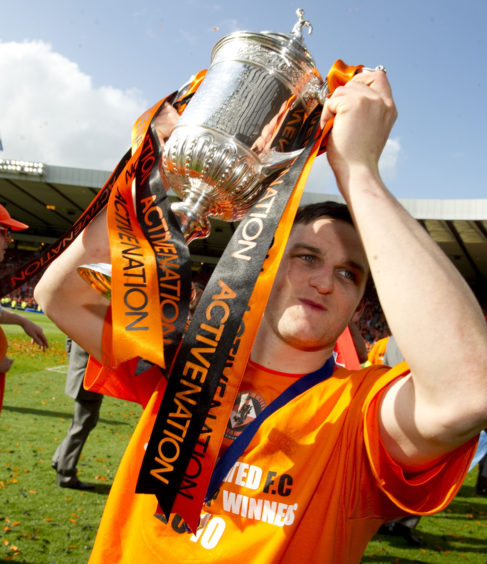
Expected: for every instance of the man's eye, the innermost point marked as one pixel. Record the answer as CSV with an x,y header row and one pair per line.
x,y
307,258
348,274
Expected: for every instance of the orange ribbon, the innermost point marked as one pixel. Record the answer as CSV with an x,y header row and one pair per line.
x,y
340,73
137,329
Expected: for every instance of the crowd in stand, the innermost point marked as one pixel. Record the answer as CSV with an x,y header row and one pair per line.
x,y
21,298
373,325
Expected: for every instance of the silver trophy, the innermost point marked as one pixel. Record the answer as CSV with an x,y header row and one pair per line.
x,y
222,148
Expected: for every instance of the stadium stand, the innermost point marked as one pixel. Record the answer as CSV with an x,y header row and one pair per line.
x,y
51,198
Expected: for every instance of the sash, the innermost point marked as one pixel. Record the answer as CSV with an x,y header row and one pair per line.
x,y
151,266
197,402
147,251
12,281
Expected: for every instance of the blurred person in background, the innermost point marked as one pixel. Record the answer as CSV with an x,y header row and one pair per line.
x,y
8,224
85,417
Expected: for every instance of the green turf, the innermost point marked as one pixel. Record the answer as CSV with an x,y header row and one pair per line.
x,y
458,534
44,524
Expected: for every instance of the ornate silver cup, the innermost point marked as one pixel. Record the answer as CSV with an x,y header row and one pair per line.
x,y
225,143
222,147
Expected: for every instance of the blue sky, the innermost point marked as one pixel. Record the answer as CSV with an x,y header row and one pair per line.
x,y
75,75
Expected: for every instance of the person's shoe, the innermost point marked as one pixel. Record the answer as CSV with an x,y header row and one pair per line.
x,y
72,482
409,536
76,484
397,529
388,529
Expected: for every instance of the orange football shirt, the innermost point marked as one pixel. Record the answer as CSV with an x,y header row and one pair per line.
x,y
313,485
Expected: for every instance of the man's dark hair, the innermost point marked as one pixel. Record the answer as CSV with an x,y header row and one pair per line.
x,y
308,213
335,210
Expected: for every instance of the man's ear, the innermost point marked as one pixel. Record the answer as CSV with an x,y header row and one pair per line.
x,y
358,312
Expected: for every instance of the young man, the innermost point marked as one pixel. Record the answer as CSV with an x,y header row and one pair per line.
x,y
356,450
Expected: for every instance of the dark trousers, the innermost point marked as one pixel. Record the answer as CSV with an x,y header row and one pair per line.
x,y
85,418
483,467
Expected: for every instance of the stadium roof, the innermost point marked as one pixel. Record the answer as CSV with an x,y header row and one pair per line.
x,y
50,199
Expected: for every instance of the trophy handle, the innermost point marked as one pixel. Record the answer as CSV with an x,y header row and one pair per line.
x,y
275,161
297,31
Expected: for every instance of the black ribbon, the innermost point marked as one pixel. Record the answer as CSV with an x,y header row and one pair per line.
x,y
171,252
199,365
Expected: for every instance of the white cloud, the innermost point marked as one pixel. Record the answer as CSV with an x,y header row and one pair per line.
x,y
50,111
388,160
321,178
229,25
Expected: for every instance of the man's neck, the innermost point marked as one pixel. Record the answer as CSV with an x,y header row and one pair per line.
x,y
271,352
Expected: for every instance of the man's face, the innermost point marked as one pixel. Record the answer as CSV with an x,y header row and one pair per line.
x,y
4,240
319,285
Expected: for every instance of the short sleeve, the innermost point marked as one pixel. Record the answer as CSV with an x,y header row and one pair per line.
x,y
424,492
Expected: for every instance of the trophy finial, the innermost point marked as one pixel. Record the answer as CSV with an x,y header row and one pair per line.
x,y
300,24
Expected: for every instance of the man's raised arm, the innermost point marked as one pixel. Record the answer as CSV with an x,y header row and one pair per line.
x,y
77,309
431,311
67,299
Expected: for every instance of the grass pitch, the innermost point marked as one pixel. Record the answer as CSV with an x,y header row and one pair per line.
x,y
44,524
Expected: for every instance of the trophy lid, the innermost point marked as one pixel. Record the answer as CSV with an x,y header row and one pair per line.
x,y
289,45
295,39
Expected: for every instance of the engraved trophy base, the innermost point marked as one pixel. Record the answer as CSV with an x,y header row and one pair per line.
x,y
98,276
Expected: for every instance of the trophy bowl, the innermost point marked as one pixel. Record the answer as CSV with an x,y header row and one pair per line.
x,y
227,139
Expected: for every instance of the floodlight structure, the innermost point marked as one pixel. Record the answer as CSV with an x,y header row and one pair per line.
x,y
33,168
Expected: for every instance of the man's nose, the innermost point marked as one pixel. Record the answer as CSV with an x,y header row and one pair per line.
x,y
323,280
